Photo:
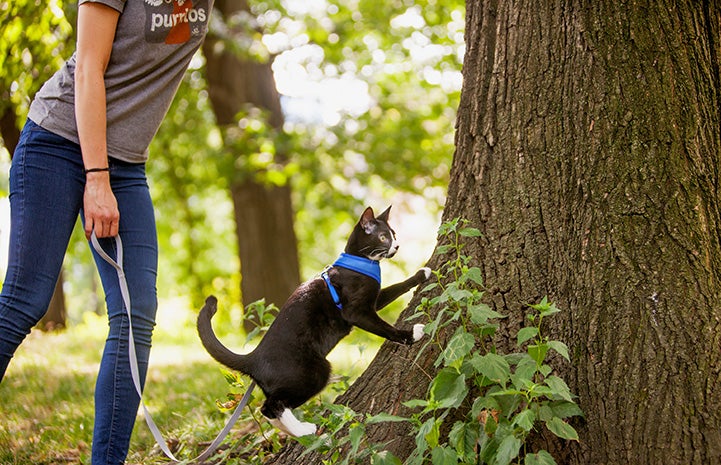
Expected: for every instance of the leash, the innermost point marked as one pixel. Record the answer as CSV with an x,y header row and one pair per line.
x,y
118,265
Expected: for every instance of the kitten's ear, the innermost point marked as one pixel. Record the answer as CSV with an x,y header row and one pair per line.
x,y
384,216
368,221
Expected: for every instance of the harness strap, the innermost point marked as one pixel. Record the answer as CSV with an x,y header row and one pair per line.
x,y
118,265
331,289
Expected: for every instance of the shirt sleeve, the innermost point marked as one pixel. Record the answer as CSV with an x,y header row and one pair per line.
x,y
118,5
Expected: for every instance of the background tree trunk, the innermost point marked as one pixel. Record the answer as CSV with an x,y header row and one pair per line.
x,y
56,316
588,150
267,243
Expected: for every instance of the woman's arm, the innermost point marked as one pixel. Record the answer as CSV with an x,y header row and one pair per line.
x,y
96,30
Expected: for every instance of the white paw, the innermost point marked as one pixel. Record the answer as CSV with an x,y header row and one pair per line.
x,y
426,271
305,429
418,332
291,425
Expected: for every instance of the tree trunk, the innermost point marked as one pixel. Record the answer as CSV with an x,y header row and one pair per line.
x,y
587,153
264,214
55,317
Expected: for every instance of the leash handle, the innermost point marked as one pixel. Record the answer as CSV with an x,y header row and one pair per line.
x,y
135,372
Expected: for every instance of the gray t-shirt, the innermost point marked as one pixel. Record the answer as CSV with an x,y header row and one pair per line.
x,y
154,43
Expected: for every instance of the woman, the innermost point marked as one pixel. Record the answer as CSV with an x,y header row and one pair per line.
x,y
83,151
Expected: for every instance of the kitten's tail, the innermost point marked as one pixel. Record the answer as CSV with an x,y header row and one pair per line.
x,y
211,343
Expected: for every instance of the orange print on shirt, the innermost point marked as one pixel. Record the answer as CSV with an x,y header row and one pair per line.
x,y
180,32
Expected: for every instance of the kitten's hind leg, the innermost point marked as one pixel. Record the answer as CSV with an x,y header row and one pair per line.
x,y
288,423
282,418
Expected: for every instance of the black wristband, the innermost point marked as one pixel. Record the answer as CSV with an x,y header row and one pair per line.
x,y
95,170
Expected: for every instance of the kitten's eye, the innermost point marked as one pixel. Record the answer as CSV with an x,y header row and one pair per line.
x,y
382,237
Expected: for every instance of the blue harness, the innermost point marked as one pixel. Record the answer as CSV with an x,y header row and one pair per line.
x,y
365,266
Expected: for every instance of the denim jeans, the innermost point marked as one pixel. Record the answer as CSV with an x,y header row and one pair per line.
x,y
46,195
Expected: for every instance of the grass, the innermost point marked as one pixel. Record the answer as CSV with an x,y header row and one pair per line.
x,y
46,397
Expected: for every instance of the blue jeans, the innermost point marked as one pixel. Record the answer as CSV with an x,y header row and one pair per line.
x,y
46,195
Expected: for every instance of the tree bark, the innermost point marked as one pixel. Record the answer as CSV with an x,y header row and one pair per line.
x,y
267,243
56,316
587,152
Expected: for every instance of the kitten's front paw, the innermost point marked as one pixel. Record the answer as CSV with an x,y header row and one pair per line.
x,y
418,332
424,273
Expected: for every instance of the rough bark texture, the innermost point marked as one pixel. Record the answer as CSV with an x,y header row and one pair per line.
x,y
588,152
264,215
588,149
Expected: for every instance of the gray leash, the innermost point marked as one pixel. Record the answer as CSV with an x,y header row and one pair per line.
x,y
118,265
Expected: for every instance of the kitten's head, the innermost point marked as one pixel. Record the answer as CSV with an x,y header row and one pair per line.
x,y
372,237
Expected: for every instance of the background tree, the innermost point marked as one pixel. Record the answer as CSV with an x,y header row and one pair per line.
x,y
587,154
239,82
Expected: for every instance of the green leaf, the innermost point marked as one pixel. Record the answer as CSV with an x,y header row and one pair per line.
x,y
231,377
481,313
431,431
460,345
507,450
545,413
545,307
560,347
385,458
470,232
538,352
429,287
526,333
541,458
443,456
448,388
545,369
457,294
562,429
443,249
493,367
542,305
474,274
539,390
356,434
525,419
559,387
526,367
565,409
464,437
387,417
550,310
413,403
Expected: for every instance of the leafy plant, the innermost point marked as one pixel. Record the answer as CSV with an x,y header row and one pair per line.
x,y
511,395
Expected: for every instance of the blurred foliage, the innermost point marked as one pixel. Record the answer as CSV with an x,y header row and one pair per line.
x,y
35,39
369,88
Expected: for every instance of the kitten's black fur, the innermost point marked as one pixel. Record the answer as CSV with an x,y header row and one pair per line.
x,y
289,363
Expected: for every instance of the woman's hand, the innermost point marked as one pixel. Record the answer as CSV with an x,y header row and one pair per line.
x,y
100,206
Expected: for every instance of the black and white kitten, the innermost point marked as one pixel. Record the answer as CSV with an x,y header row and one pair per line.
x,y
289,364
